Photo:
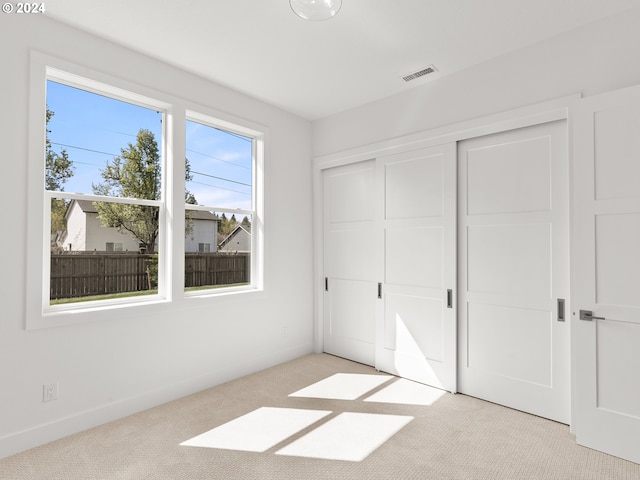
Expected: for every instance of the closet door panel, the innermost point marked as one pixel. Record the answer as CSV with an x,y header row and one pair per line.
x,y
416,333
514,269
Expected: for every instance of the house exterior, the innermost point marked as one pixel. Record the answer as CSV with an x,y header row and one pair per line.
x,y
239,240
85,232
204,233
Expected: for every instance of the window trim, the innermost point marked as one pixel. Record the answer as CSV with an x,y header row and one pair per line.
x,y
256,213
38,312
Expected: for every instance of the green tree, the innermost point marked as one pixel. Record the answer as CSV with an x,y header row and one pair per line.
x,y
58,169
136,173
188,196
226,226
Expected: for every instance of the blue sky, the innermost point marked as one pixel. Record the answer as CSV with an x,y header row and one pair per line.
x,y
93,129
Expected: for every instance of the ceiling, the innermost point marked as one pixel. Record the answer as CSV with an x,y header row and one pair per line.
x,y
315,69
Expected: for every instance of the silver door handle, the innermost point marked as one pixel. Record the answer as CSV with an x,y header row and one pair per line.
x,y
588,315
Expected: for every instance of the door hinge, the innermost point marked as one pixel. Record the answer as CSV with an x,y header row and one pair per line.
x,y
326,284
379,290
449,298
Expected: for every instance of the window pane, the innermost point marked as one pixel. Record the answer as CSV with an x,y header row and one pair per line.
x,y
99,145
219,167
222,263
219,173
108,250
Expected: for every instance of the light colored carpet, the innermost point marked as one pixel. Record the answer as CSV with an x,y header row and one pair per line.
x,y
456,437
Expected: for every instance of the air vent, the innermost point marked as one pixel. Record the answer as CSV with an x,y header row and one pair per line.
x,y
419,73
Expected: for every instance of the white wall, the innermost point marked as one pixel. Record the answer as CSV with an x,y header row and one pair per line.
x,y
140,357
594,59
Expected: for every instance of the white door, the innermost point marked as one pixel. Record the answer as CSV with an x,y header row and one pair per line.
x,y
606,273
513,269
416,327
349,261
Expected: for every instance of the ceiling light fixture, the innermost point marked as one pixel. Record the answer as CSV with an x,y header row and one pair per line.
x,y
315,10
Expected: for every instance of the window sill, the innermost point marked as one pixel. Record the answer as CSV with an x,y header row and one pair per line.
x,y
63,315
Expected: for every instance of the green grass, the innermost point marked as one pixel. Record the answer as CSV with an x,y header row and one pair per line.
x,y
210,287
111,296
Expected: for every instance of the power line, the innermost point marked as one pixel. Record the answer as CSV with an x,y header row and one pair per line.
x,y
220,178
86,149
219,159
237,135
241,137
114,155
221,188
116,131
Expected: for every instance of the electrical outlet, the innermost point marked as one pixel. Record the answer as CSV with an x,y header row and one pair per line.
x,y
50,392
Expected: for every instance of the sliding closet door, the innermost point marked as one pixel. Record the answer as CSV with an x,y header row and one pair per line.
x,y
514,267
350,261
606,273
416,327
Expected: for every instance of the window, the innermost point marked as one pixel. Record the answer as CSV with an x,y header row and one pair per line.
x,y
113,247
219,181
108,152
110,185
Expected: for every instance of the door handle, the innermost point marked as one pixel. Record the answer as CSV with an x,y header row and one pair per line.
x,y
561,309
588,315
449,298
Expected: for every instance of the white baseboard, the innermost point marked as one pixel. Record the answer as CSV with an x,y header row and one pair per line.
x,y
40,434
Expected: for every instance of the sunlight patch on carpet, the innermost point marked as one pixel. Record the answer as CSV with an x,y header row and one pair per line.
x,y
259,430
407,392
343,386
349,436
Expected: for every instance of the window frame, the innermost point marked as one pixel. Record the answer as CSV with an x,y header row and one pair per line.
x,y
257,152
115,247
171,240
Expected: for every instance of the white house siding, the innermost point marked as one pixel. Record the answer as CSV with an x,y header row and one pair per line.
x,y
98,236
238,241
75,238
86,233
204,231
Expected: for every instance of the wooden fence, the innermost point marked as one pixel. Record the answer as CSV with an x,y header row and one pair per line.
x,y
78,274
